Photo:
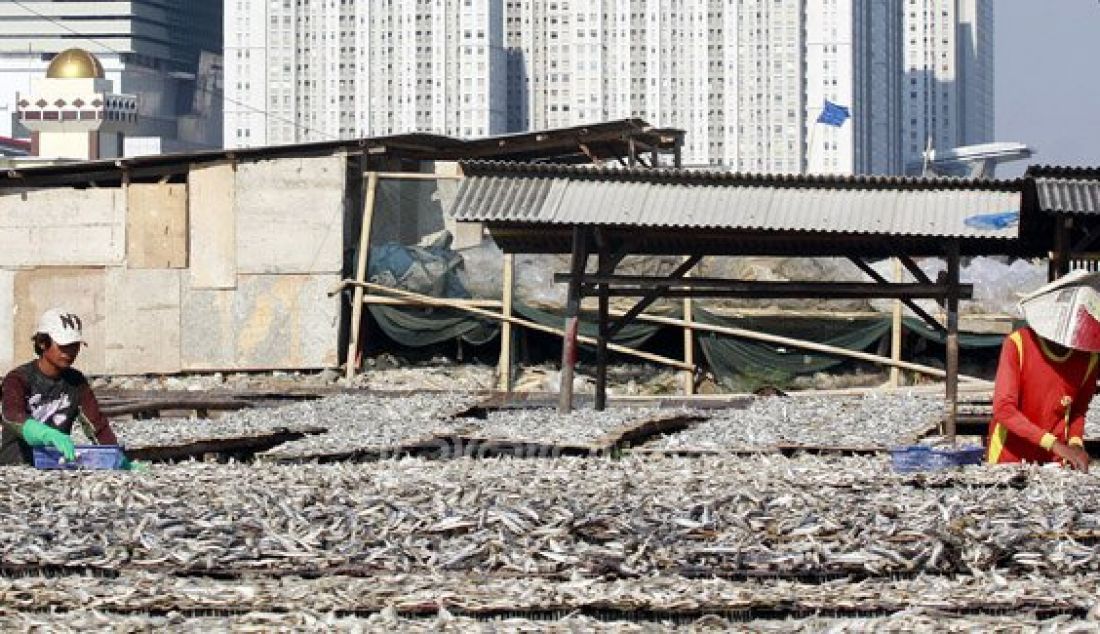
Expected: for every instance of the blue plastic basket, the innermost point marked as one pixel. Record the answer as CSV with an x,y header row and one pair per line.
x,y
100,457
922,458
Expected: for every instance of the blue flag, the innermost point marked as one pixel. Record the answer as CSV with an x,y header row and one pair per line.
x,y
834,114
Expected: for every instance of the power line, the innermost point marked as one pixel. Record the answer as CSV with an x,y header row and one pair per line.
x,y
215,92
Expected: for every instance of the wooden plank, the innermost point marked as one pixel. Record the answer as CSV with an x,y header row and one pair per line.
x,y
78,290
290,216
142,321
63,227
212,229
156,226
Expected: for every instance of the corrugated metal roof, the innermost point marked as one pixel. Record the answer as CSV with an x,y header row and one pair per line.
x,y
661,198
1065,189
1068,195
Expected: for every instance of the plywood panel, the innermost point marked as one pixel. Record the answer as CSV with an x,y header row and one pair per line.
x,y
7,326
156,226
62,227
77,290
143,321
270,322
290,216
212,227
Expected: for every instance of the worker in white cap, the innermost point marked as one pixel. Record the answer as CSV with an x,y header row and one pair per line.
x,y
41,399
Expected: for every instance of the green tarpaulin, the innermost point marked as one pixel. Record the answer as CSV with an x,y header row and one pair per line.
x,y
743,362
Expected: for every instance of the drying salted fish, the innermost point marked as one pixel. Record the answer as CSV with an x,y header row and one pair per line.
x,y
357,420
581,427
372,423
694,517
876,420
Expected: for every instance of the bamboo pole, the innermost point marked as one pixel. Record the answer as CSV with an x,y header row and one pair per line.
x,y
806,345
505,369
668,321
488,314
895,331
352,363
689,344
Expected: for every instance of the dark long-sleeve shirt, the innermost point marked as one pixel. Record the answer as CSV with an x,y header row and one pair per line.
x,y
58,402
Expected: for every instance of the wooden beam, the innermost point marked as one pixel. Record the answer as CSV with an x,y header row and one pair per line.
x,y
640,286
647,300
917,310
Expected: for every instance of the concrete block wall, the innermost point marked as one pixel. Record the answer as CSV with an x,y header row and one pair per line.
x,y
229,271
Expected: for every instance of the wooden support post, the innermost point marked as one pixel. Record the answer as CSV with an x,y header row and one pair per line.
x,y
351,366
605,266
655,158
506,335
952,340
895,332
632,152
1059,259
678,154
572,320
689,344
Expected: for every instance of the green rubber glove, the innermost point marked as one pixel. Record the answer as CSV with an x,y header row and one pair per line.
x,y
39,434
135,466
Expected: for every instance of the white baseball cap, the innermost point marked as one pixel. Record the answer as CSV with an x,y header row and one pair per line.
x,y
63,326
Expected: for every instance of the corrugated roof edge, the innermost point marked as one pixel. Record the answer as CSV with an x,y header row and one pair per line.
x,y
717,177
1063,171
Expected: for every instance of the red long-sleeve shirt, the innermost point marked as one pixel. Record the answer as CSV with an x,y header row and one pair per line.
x,y
1038,398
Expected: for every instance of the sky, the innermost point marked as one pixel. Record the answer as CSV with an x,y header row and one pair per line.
x,y
1048,80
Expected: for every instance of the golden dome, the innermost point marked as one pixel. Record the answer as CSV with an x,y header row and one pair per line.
x,y
75,63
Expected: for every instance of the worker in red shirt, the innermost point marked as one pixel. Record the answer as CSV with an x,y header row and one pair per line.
x,y
1040,398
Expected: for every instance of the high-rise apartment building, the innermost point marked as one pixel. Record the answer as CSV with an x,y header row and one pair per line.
x,y
311,70
166,54
746,80
948,82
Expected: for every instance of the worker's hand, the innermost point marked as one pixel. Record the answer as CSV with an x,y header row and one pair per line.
x,y
39,434
1072,456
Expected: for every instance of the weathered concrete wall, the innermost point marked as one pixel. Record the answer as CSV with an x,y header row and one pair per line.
x,y
269,322
142,330
290,216
229,271
63,227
